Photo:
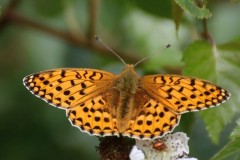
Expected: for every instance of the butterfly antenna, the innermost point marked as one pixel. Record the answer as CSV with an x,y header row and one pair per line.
x,y
104,44
167,46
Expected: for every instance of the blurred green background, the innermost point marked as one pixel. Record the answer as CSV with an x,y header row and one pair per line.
x,y
31,40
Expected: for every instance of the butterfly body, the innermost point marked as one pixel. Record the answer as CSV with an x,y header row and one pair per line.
x,y
104,104
126,86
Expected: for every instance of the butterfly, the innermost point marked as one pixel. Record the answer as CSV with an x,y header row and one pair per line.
x,y
105,104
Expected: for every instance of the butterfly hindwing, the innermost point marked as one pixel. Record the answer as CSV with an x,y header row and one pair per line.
x,y
93,118
153,121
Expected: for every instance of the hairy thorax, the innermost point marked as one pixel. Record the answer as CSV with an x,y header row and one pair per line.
x,y
127,87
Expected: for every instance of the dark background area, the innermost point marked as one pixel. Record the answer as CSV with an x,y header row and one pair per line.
x,y
37,35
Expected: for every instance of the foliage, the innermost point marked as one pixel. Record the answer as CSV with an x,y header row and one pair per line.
x,y
39,35
195,8
231,150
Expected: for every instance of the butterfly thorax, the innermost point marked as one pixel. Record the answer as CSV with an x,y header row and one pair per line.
x,y
127,85
127,81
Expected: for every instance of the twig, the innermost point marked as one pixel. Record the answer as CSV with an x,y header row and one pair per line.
x,y
12,16
3,17
93,7
205,34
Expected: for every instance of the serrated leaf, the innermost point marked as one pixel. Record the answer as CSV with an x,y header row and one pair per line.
x,y
220,66
193,9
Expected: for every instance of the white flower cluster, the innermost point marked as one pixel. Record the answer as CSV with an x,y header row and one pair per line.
x,y
170,147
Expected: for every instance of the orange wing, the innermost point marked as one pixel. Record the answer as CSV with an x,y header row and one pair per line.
x,y
182,94
81,91
67,88
154,121
91,117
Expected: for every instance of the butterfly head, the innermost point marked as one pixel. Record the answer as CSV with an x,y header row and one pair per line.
x,y
129,71
128,67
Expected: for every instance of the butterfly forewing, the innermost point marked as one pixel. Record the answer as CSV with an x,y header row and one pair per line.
x,y
66,88
182,94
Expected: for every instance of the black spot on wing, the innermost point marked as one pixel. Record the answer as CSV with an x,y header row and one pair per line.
x,y
92,76
85,74
63,73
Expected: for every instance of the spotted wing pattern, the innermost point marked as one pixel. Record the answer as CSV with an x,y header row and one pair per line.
x,y
67,88
79,92
87,95
182,94
154,121
91,117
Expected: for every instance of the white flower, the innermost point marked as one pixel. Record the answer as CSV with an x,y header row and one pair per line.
x,y
136,154
170,147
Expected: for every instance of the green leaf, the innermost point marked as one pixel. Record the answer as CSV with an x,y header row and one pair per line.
x,y
220,66
193,9
157,8
48,8
235,1
236,132
198,58
232,149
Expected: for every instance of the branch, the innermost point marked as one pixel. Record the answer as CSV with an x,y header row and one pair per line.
x,y
12,16
93,7
4,17
205,34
